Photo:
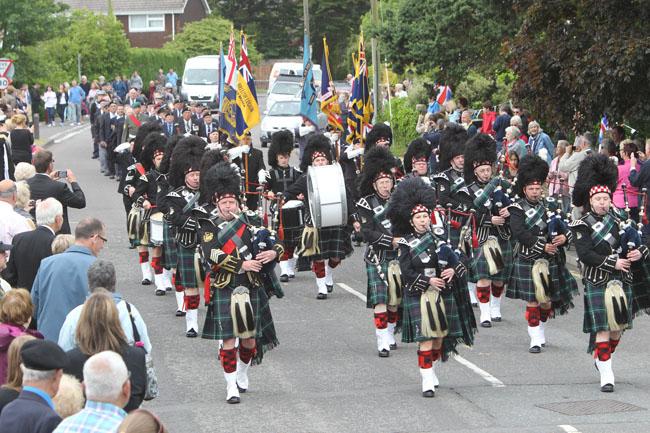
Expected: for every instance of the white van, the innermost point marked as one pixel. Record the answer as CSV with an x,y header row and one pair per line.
x,y
201,80
292,68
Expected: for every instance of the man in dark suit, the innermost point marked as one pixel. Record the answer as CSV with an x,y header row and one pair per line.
x,y
185,125
29,248
178,110
168,126
207,126
117,127
44,185
33,410
105,136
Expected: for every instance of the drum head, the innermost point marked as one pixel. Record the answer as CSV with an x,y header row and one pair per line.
x,y
327,196
158,216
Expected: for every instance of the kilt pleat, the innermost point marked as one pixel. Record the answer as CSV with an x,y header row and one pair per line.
x,y
334,243
170,249
595,314
479,269
185,273
377,292
219,325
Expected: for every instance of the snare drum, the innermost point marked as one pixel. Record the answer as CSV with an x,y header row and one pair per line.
x,y
327,196
293,215
156,228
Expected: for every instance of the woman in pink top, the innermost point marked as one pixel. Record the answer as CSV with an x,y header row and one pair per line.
x,y
629,147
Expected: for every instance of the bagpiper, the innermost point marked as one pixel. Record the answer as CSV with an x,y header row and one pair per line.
x,y
605,268
434,304
491,263
384,292
326,247
279,178
539,276
416,160
239,252
381,135
183,217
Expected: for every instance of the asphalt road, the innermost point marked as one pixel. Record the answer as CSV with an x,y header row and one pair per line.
x,y
326,377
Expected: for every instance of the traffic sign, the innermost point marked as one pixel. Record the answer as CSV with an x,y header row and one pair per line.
x,y
6,68
4,83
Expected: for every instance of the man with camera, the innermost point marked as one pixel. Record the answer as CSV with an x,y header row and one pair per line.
x,y
45,184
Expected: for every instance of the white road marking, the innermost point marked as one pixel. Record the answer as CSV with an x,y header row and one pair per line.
x,y
352,291
569,429
482,373
70,135
67,131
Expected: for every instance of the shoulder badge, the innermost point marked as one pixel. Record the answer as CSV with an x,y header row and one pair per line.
x,y
207,237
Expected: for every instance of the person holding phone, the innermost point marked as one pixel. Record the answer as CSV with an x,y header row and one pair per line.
x,y
631,202
47,183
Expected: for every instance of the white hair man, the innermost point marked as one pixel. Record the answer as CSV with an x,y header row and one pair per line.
x,y
33,410
29,248
108,389
12,222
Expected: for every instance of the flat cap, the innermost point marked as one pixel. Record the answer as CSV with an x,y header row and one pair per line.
x,y
43,355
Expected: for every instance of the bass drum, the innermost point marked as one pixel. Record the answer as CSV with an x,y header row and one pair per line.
x,y
327,197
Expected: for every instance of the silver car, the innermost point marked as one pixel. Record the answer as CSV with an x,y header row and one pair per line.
x,y
283,91
285,115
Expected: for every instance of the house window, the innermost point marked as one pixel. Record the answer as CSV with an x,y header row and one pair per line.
x,y
146,23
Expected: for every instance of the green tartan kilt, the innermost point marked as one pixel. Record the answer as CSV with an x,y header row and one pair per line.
x,y
595,316
479,269
334,243
170,249
640,287
412,317
377,291
291,238
219,324
185,273
521,284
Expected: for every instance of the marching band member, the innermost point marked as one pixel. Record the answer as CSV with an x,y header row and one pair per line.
x,y
251,163
432,314
384,285
416,159
238,306
492,253
145,196
606,273
382,135
278,180
184,212
539,275
327,246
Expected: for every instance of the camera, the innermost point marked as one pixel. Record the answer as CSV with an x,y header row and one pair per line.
x,y
62,174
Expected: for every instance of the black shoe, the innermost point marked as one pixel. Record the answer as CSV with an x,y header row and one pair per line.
x,y
160,292
428,394
474,305
242,390
330,288
496,319
107,174
233,400
384,353
486,324
131,247
95,157
535,349
393,346
292,276
111,177
543,344
191,333
180,313
321,296
168,289
608,387
146,282
284,278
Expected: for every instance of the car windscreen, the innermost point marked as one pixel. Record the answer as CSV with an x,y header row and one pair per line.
x,y
285,88
201,76
285,108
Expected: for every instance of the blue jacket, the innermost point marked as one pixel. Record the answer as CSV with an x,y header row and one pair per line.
x,y
29,413
60,285
539,142
76,95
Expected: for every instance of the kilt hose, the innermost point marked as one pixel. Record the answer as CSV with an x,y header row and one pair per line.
x,y
218,319
412,318
564,286
185,273
640,287
479,269
170,249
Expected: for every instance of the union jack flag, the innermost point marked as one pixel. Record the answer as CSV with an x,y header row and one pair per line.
x,y
604,126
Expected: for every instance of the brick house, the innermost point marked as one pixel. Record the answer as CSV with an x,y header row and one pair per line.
x,y
148,23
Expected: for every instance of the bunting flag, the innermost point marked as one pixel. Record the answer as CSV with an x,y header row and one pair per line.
x,y
248,110
361,109
228,103
308,106
329,101
604,126
444,94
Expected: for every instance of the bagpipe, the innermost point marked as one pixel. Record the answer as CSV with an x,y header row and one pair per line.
x,y
630,230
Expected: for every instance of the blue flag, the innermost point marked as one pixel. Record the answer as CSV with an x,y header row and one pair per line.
x,y
308,100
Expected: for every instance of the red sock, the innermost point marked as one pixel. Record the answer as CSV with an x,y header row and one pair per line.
x,y
613,344
144,256
156,265
435,354
532,316
425,358
333,263
392,316
246,354
497,291
483,294
381,320
318,267
603,351
228,359
545,313
192,302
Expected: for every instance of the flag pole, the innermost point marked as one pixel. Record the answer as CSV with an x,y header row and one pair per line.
x,y
390,108
305,11
375,59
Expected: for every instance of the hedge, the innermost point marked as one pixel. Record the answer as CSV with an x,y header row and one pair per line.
x,y
403,123
147,61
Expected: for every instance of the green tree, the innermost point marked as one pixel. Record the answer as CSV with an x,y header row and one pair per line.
x,y
203,38
578,59
24,23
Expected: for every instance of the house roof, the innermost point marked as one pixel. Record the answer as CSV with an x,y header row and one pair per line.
x,y
130,7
